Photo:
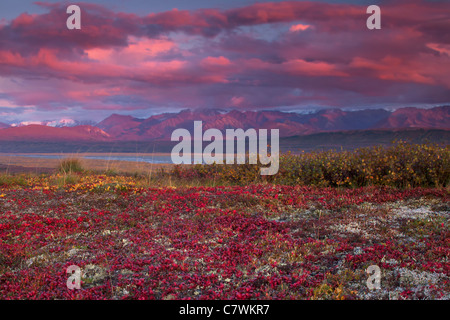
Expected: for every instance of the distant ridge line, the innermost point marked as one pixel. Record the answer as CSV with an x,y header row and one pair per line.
x,y
160,127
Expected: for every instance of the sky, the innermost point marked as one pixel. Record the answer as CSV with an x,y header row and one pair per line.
x,y
143,57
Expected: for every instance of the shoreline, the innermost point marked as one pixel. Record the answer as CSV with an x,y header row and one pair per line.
x,y
86,154
18,164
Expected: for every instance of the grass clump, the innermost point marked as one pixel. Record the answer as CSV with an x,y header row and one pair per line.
x,y
70,165
7,180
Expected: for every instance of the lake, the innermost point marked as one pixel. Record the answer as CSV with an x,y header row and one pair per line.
x,y
148,158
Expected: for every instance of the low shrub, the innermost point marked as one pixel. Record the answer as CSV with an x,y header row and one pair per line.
x,y
400,165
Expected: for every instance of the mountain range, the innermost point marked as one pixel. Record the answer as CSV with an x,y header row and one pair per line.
x,y
160,127
35,132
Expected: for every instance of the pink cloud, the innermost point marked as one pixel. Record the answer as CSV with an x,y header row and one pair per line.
x,y
216,61
315,68
23,20
237,101
442,48
8,58
396,69
138,50
299,27
204,58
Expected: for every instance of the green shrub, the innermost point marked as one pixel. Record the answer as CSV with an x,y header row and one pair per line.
x,y
400,165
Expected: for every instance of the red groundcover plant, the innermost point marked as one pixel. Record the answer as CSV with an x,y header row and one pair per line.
x,y
253,242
